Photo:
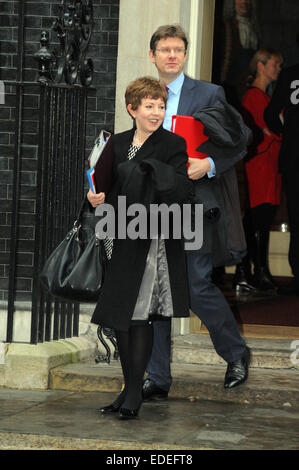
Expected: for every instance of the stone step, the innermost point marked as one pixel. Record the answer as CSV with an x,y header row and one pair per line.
x,y
198,373
266,353
267,387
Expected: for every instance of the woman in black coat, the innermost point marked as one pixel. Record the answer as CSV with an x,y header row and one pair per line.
x,y
146,278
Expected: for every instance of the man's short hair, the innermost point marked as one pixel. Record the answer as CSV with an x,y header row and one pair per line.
x,y
168,31
144,87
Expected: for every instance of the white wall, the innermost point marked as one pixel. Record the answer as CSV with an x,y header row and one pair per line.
x,y
138,20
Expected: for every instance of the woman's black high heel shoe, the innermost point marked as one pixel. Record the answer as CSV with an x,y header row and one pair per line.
x,y
125,413
110,409
115,406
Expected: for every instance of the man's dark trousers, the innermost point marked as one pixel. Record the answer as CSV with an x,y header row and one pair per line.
x,y
209,304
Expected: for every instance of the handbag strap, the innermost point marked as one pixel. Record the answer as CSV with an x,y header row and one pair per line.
x,y
80,212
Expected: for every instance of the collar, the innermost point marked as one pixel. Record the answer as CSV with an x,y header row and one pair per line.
x,y
243,19
176,85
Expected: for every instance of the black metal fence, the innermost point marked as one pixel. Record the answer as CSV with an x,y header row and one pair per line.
x,y
59,191
60,186
59,166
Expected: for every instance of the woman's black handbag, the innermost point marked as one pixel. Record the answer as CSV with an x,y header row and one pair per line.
x,y
75,269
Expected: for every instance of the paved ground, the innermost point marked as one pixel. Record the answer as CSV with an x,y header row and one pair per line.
x,y
56,419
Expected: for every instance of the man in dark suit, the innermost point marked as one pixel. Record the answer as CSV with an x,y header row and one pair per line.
x,y
282,117
168,49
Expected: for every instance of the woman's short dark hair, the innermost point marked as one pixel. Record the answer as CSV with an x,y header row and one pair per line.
x,y
144,87
168,31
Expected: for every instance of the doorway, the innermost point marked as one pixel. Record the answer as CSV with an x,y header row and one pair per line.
x,y
275,24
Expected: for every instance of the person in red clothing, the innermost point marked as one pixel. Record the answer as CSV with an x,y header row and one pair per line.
x,y
261,168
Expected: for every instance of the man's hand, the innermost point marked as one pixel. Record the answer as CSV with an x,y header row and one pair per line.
x,y
95,199
198,168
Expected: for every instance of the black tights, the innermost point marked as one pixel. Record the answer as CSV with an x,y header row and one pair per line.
x,y
135,347
262,217
258,219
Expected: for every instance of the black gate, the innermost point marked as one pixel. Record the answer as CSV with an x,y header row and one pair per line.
x,y
62,103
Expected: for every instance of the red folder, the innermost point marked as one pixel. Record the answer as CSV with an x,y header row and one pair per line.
x,y
192,131
104,169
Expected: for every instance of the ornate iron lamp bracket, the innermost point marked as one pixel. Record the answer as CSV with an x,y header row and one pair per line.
x,y
110,335
69,62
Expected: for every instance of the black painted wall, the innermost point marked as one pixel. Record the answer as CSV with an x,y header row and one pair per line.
x,y
279,24
101,103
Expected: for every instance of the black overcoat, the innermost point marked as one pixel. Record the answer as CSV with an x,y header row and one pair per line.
x,y
198,95
286,98
166,152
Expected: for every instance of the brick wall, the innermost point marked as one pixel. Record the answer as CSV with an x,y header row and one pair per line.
x,y
39,15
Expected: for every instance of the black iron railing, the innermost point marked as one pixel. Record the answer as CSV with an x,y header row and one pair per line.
x,y
60,191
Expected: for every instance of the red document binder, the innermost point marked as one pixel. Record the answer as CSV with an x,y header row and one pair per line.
x,y
192,131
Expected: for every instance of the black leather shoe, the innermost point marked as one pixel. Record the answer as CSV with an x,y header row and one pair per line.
x,y
237,371
150,391
242,280
110,409
244,287
125,413
115,406
263,280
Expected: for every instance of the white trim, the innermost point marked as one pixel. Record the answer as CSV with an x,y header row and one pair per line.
x,y
195,36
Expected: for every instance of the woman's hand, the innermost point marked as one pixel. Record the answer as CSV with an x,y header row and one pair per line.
x,y
95,199
198,168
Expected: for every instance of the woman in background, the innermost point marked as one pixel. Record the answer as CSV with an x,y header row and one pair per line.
x,y
261,167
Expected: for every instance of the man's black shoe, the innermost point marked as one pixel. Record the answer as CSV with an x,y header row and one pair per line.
x,y
237,371
150,391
